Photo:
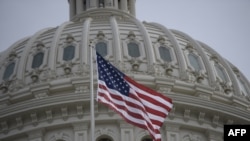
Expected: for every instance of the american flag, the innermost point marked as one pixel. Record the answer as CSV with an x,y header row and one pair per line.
x,y
137,104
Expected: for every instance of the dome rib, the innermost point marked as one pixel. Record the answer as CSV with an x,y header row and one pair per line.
x,y
206,63
23,60
150,54
180,58
85,41
116,39
54,45
229,70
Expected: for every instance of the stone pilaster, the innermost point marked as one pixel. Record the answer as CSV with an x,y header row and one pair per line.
x,y
127,132
80,131
172,132
36,135
214,136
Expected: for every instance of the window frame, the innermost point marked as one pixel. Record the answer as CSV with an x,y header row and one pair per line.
x,y
70,46
34,60
170,54
107,50
222,69
198,59
10,76
130,47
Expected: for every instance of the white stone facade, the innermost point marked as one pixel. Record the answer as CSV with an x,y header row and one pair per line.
x,y
51,102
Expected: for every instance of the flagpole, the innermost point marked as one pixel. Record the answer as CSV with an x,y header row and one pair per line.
x,y
92,114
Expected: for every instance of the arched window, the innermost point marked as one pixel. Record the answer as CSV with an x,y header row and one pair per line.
x,y
9,71
133,50
147,138
68,53
101,48
165,54
104,139
221,72
37,60
243,88
194,61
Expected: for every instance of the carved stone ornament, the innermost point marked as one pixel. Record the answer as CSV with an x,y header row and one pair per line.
x,y
199,76
35,75
131,35
191,137
168,66
4,86
135,64
214,58
12,55
236,71
100,35
227,87
69,38
189,47
161,39
67,67
39,45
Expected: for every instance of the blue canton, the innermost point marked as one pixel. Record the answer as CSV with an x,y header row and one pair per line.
x,y
113,78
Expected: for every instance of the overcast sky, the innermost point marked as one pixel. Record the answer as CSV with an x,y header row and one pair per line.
x,y
224,25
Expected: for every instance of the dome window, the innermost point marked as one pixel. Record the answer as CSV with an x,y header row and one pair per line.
x,y
68,53
9,71
133,50
101,48
165,54
37,60
221,72
243,88
194,61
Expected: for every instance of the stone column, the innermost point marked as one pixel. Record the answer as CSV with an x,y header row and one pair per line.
x,y
80,131
124,5
172,132
115,4
72,4
127,132
36,135
132,7
92,3
79,6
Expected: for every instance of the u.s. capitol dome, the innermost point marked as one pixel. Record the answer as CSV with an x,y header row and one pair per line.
x,y
45,79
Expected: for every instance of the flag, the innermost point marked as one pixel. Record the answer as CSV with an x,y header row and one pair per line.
x,y
136,103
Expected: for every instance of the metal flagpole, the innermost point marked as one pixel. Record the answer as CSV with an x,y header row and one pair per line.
x,y
92,116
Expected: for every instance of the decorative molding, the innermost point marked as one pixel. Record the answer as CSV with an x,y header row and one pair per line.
x,y
201,117
34,119
19,122
49,115
187,114
64,111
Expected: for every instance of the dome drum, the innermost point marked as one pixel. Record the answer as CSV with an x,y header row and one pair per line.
x,y
45,88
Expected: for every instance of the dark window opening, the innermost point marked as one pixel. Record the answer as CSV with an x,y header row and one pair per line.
x,y
68,53
37,60
165,54
101,48
9,71
133,50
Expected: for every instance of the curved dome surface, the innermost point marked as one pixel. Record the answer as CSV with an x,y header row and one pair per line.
x,y
45,87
